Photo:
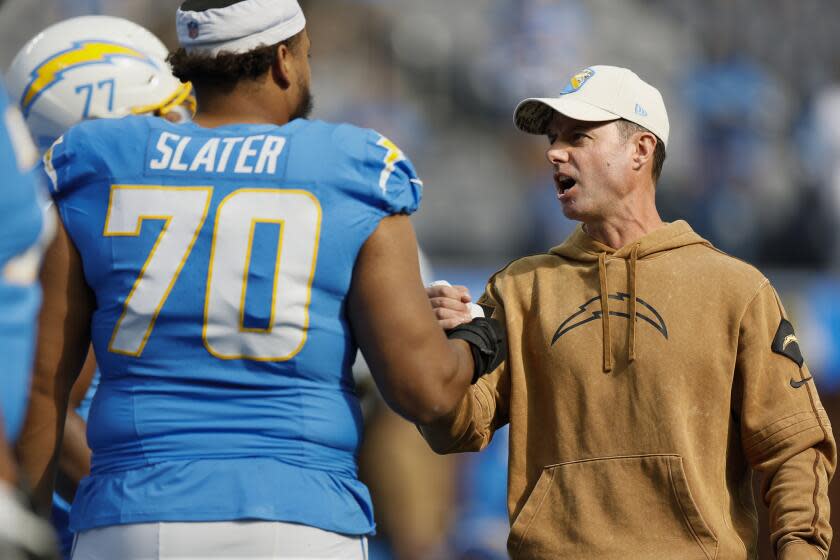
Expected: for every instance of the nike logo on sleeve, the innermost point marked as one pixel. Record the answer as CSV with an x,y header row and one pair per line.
x,y
798,384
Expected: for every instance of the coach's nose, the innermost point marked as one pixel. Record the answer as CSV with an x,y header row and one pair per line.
x,y
557,153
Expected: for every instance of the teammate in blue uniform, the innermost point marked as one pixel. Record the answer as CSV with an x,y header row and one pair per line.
x,y
77,69
22,229
22,225
225,271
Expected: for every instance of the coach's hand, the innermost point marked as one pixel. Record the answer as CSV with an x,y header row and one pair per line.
x,y
452,304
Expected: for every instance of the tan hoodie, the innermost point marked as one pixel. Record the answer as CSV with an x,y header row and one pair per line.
x,y
636,437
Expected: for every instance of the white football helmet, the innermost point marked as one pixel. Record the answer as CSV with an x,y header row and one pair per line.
x,y
93,67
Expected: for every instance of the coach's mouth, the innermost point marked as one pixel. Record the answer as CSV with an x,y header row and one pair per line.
x,y
564,183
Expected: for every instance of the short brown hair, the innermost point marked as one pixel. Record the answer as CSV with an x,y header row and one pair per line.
x,y
627,129
222,72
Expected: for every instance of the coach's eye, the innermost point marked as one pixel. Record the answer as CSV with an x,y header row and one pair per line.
x,y
552,138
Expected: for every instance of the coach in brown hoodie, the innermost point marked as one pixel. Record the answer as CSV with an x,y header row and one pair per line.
x,y
648,374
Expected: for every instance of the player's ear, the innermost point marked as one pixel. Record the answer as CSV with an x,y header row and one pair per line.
x,y
281,68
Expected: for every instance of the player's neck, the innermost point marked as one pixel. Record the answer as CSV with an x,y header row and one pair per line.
x,y
241,106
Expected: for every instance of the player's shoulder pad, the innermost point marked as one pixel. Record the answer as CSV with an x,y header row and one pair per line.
x,y
80,155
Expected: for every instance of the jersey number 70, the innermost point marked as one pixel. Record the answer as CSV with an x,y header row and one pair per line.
x,y
183,211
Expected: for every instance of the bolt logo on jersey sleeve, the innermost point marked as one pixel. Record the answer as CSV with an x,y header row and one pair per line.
x,y
392,156
221,260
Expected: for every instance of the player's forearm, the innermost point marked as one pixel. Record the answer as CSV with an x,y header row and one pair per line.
x,y
37,448
450,388
63,341
427,381
40,441
8,470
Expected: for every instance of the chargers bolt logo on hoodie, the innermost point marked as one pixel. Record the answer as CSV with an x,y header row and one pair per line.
x,y
585,314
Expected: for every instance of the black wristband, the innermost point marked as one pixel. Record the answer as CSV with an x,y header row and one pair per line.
x,y
488,343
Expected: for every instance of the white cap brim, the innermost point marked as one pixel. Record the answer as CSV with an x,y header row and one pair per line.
x,y
533,115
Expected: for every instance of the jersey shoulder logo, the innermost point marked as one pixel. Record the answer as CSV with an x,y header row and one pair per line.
x,y
49,168
393,155
786,343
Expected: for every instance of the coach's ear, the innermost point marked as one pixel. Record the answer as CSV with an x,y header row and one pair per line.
x,y
644,144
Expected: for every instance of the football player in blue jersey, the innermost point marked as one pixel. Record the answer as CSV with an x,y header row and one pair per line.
x,y
23,229
225,271
83,68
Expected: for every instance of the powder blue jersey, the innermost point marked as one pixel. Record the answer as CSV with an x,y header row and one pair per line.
x,y
221,260
21,225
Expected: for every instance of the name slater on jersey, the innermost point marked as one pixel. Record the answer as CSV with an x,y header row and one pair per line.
x,y
241,154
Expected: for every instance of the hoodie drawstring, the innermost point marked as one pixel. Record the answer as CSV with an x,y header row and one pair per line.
x,y
631,280
605,306
605,310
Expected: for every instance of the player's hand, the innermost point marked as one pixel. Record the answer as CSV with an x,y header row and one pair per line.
x,y
452,304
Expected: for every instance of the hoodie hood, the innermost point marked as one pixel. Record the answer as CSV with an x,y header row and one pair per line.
x,y
583,248
579,246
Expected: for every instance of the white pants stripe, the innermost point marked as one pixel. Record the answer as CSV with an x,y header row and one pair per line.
x,y
227,540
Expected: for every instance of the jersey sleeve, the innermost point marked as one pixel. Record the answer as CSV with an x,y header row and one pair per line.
x,y
390,182
70,163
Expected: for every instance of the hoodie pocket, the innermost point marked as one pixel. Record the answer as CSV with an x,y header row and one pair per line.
x,y
636,507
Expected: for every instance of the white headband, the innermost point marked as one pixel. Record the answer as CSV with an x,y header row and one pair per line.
x,y
240,27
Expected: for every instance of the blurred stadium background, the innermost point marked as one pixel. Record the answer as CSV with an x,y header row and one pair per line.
x,y
753,91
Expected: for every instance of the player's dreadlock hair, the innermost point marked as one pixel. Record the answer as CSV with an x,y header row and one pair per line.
x,y
223,71
627,129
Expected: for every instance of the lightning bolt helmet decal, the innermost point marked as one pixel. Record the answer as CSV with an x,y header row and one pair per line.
x,y
83,53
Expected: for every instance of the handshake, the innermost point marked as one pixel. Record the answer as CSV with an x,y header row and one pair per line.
x,y
464,320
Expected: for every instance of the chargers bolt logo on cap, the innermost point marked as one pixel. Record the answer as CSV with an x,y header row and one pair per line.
x,y
192,29
577,81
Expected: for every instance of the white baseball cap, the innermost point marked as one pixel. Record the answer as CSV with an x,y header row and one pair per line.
x,y
599,94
